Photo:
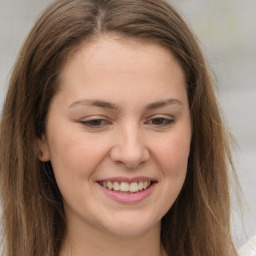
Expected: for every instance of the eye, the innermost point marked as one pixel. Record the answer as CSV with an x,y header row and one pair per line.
x,y
160,121
95,123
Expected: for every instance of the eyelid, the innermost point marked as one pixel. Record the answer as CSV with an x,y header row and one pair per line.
x,y
86,122
168,118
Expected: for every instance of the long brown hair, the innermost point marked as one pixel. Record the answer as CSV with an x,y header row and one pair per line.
x,y
33,218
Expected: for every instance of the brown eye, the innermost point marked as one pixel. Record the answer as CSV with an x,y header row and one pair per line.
x,y
160,121
95,123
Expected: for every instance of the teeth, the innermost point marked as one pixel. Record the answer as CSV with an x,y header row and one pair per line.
x,y
134,187
116,186
145,184
110,185
141,186
125,186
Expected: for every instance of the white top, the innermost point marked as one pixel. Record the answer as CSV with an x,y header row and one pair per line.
x,y
249,249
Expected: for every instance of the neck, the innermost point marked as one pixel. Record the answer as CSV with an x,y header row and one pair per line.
x,y
94,242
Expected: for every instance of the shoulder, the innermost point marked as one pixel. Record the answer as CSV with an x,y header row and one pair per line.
x,y
249,249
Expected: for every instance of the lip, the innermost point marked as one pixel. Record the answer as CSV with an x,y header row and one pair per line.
x,y
128,197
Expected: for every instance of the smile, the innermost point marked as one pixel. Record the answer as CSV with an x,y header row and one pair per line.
x,y
126,190
126,187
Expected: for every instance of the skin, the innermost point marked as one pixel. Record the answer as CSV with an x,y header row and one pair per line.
x,y
126,136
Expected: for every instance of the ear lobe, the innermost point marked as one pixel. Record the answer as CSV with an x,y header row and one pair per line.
x,y
43,149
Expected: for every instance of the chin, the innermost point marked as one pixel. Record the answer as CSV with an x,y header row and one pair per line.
x,y
132,227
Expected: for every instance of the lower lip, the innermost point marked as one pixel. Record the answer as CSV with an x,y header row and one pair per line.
x,y
128,198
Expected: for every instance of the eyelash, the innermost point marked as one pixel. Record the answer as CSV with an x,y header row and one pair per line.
x,y
91,123
98,123
165,122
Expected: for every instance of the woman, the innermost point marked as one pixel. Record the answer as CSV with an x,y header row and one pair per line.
x,y
111,137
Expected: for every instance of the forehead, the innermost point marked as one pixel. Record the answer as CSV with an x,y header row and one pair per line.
x,y
119,54
110,66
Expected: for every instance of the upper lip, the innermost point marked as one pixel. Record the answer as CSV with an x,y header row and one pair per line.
x,y
126,179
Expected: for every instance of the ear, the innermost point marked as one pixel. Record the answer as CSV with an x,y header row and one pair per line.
x,y
43,149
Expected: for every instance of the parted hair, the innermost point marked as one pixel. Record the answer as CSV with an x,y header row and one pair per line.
x,y
33,219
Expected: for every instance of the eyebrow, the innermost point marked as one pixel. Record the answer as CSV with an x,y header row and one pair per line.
x,y
104,104
94,103
163,103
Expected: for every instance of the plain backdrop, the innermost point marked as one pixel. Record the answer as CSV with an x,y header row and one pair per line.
x,y
226,30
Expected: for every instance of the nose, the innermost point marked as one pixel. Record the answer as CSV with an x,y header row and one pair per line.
x,y
130,148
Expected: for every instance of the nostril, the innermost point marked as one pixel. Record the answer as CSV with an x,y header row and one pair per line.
x,y
131,157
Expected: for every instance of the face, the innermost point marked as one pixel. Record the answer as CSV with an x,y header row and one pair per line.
x,y
118,135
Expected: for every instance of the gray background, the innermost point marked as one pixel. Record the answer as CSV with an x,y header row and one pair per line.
x,y
227,32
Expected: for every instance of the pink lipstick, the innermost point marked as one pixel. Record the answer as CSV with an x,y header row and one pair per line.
x,y
127,190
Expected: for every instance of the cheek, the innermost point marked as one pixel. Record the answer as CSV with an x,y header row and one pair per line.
x,y
74,154
74,161
173,156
